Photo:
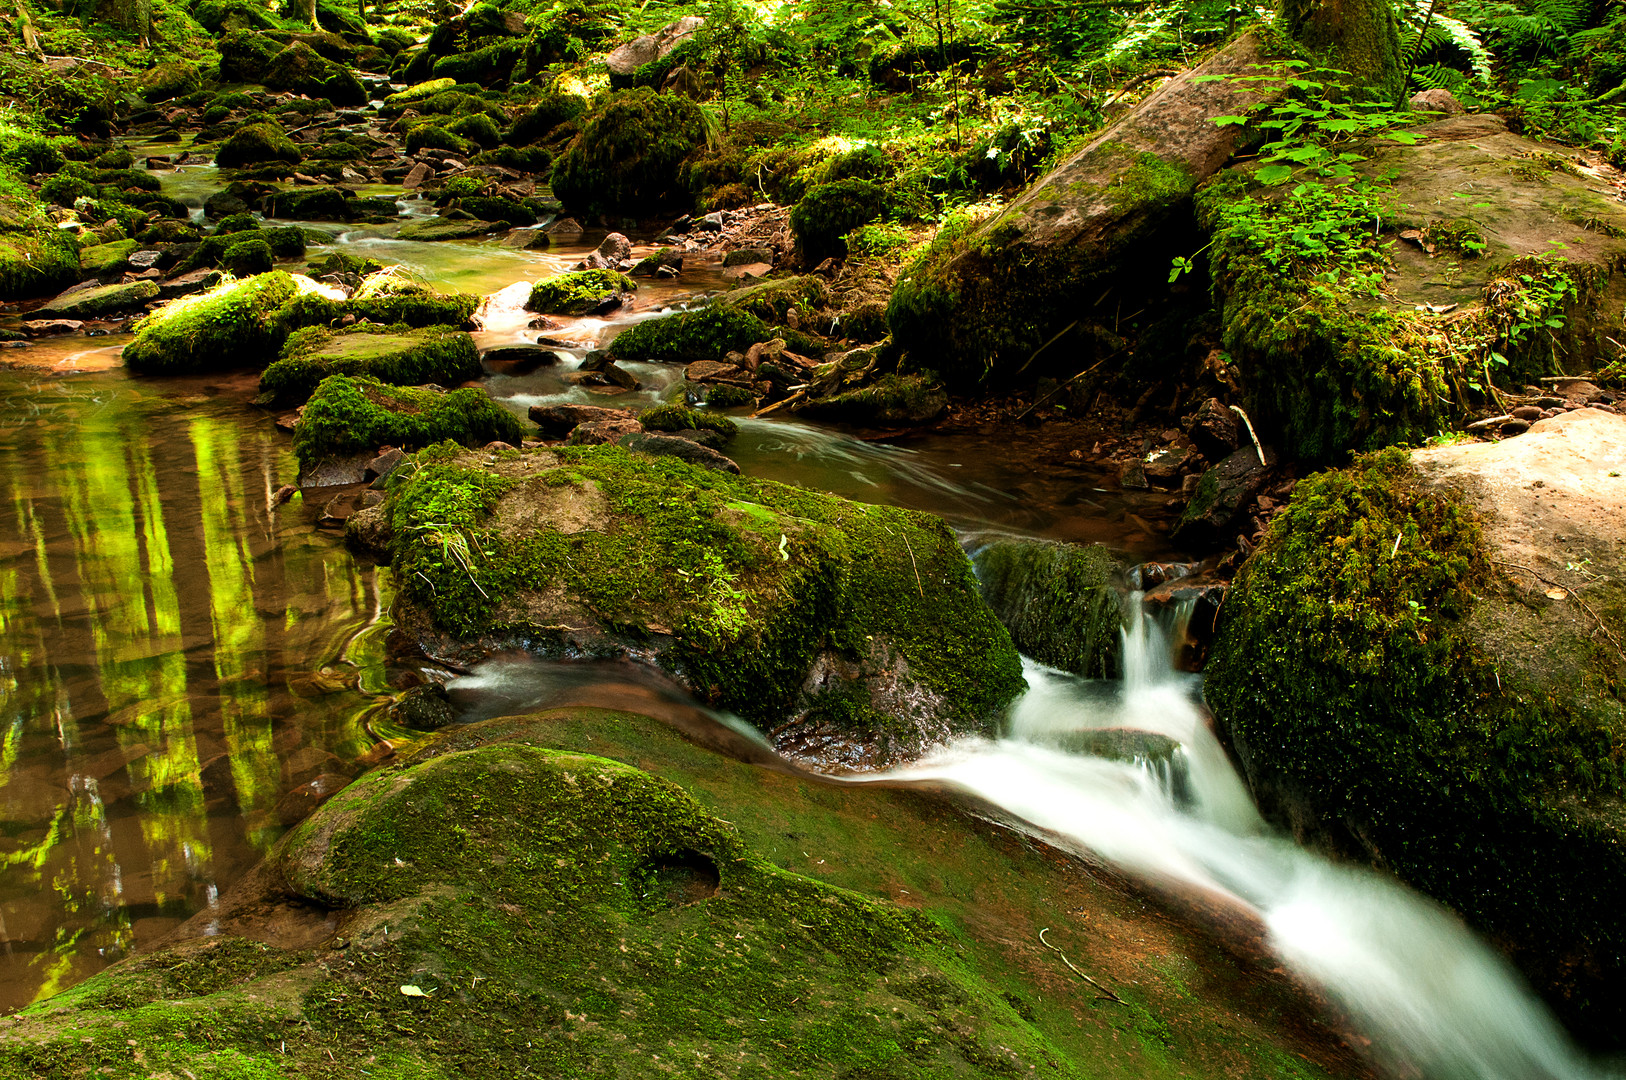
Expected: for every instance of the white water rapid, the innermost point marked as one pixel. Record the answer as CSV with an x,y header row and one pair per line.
x,y
1435,1001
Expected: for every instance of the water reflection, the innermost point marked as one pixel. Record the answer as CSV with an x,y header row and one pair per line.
x,y
163,640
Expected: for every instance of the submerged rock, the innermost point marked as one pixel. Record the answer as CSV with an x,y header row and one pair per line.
x,y
857,628
1060,602
1420,667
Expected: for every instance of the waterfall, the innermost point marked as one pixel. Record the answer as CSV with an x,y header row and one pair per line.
x,y
1434,1000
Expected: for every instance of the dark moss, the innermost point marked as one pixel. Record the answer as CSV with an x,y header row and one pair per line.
x,y
349,415
231,326
479,129
578,292
246,256
825,215
174,79
252,144
1059,601
706,334
490,65
245,55
888,400
398,355
436,137
543,117
682,418
628,156
303,70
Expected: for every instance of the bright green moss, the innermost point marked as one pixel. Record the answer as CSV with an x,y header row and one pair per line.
x,y
351,415
247,256
706,334
37,261
233,325
752,580
682,418
577,292
398,355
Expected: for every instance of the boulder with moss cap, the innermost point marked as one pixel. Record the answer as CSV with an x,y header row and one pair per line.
x,y
233,325
1412,673
358,414
854,634
399,355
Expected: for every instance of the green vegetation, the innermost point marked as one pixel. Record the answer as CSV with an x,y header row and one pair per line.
x,y
578,292
233,325
706,334
354,414
824,216
747,582
629,155
253,144
398,355
682,418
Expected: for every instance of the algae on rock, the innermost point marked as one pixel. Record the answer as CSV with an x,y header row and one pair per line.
x,y
1059,601
852,631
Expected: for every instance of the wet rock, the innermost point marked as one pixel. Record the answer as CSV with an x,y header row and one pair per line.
x,y
378,470
188,283
519,359
1165,468
368,531
1132,475
660,444
100,301
1060,602
1214,429
444,228
423,708
664,263
296,805
567,226
747,272
1222,494
609,254
609,430
222,204
1527,413
1437,100
627,58
1515,427
557,421
337,471
340,507
528,239
52,327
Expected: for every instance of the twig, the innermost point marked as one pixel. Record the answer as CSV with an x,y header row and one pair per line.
x,y
1572,592
1260,450
1038,401
1104,991
1143,77
1053,339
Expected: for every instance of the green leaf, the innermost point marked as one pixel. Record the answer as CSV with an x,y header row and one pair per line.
x,y
1230,121
1274,174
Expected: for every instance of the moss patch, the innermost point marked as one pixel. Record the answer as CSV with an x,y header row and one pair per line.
x,y
350,415
628,157
577,292
683,418
398,355
233,325
1059,601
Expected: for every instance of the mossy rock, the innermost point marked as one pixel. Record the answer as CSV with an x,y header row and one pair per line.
x,y
396,103
226,16
99,259
36,259
478,128
233,325
706,334
823,620
578,292
628,156
1399,689
355,414
253,144
117,158
890,400
568,885
302,70
101,300
826,214
683,418
439,228
174,79
247,255
436,137
490,65
544,117
319,203
245,55
1059,601
398,355
520,215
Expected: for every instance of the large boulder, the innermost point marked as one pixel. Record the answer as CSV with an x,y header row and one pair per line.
x,y
853,633
254,144
625,59
986,297
398,355
490,906
1473,287
302,70
233,325
1421,667
628,158
1061,602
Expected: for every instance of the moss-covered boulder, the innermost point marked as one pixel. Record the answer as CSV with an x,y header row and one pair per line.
x,y
1333,364
439,228
1422,666
253,144
245,54
398,355
356,414
233,325
706,334
628,157
398,102
587,893
98,259
36,258
1059,601
885,401
580,292
388,297
544,117
853,633
246,255
828,213
99,301
174,79
302,70
683,418
981,301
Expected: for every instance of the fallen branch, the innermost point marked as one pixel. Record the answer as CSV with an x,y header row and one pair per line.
x,y
1104,991
1260,450
1600,625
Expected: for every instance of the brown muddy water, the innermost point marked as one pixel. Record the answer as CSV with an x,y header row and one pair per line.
x,y
181,666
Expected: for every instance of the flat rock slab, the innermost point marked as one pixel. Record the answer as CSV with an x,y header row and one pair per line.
x,y
445,229
82,303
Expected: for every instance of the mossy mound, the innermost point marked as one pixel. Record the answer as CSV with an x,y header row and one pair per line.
x,y
395,104
101,300
888,400
302,70
233,325
544,116
566,915
629,155
683,418
36,258
174,79
354,414
252,144
828,213
814,617
1059,601
245,54
247,254
385,297
1398,688
398,355
578,292
706,334
98,259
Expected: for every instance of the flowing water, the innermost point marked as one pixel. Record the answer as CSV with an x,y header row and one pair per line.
x,y
181,667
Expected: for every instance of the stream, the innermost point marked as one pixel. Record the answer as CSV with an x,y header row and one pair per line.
x,y
184,671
